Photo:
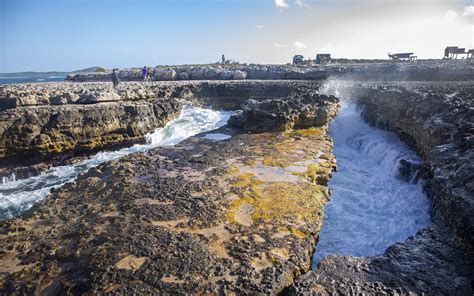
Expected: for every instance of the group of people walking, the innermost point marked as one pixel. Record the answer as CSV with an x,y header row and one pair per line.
x,y
146,73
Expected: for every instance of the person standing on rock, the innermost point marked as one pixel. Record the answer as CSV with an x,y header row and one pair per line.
x,y
115,78
145,73
150,74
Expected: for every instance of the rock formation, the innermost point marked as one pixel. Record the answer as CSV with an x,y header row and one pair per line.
x,y
240,215
235,216
284,114
437,120
429,70
47,121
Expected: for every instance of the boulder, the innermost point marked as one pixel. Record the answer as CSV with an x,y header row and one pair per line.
x,y
256,72
183,76
211,73
239,75
285,113
197,73
226,75
165,75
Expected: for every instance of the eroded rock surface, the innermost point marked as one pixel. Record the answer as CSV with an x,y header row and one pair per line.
x,y
380,70
50,122
436,120
431,262
234,216
286,113
55,129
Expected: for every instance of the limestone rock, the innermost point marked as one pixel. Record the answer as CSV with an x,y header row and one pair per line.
x,y
165,75
92,97
239,75
56,129
285,113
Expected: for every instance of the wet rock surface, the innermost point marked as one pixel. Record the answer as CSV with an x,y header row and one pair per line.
x,y
234,216
52,122
242,215
55,129
437,120
431,262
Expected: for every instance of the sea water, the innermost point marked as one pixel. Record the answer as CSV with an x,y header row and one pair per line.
x,y
17,196
371,208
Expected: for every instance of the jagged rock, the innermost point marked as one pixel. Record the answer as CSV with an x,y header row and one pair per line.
x,y
165,75
285,114
92,97
256,72
197,218
449,70
211,73
56,129
36,130
226,75
239,75
429,117
183,76
436,120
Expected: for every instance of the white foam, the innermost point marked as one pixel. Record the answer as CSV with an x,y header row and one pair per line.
x,y
217,136
19,195
370,207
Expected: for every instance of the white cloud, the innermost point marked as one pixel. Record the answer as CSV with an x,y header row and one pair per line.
x,y
259,27
468,11
451,15
299,44
279,45
281,3
301,3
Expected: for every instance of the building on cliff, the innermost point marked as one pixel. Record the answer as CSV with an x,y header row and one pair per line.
x,y
323,58
453,52
406,56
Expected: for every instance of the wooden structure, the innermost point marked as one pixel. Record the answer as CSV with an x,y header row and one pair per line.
x,y
453,52
406,56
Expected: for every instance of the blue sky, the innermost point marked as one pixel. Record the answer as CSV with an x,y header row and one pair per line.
x,y
42,35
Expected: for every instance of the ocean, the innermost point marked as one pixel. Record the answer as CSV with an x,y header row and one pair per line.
x,y
29,77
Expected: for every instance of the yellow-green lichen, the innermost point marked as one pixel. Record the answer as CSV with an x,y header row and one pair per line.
x,y
299,233
232,170
282,203
315,172
313,131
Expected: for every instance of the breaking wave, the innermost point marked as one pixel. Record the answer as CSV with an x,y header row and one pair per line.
x,y
17,196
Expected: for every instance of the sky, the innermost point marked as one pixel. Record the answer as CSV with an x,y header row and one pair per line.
x,y
66,35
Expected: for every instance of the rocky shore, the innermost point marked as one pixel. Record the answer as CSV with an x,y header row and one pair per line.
x,y
235,216
52,122
240,215
436,119
422,70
